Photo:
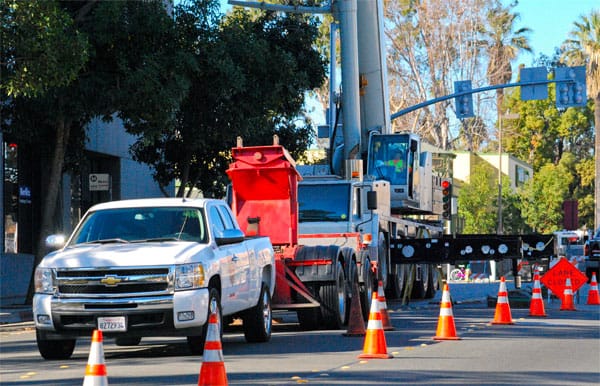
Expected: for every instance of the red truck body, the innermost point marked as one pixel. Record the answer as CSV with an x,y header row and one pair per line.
x,y
264,200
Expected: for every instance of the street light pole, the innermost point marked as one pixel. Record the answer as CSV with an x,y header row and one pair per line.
x,y
500,228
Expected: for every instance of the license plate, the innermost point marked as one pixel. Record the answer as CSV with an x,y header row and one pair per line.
x,y
112,323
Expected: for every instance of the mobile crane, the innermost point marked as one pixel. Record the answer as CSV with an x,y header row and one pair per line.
x,y
365,217
366,137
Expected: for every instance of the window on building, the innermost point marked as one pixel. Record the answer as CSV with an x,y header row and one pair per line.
x,y
522,175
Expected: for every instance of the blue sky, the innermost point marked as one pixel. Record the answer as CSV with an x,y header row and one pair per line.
x,y
550,22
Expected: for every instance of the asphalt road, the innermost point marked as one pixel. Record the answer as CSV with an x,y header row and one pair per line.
x,y
561,349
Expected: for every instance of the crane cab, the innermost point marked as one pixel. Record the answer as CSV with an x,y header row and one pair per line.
x,y
397,158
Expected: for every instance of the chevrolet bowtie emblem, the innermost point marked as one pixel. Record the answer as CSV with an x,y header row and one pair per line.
x,y
110,281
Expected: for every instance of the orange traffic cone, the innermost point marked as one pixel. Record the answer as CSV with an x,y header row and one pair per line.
x,y
385,318
593,296
356,324
95,371
446,329
212,372
375,346
502,315
536,307
567,298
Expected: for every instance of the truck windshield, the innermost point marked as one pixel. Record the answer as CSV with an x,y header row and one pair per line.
x,y
142,225
390,158
323,202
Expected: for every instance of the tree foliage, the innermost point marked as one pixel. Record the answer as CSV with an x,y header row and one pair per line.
x,y
583,48
40,47
252,72
503,43
433,44
543,197
477,201
544,135
129,46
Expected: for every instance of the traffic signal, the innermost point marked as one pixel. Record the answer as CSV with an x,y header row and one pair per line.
x,y
570,87
446,199
463,103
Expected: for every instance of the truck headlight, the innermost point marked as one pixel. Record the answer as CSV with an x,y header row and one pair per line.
x,y
44,281
189,276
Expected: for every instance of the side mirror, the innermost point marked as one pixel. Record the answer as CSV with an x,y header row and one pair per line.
x,y
229,236
54,242
371,200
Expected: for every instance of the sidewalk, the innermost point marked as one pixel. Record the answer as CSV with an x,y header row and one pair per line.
x,y
16,316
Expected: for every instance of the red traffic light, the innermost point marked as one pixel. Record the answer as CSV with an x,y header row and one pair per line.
x,y
445,184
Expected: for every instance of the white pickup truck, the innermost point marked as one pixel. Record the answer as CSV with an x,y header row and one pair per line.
x,y
152,267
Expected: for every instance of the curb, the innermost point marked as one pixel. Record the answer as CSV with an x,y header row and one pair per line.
x,y
8,327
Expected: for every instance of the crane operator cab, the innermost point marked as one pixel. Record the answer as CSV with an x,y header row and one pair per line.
x,y
395,158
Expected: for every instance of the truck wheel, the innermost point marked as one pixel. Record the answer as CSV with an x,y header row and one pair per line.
x,y
350,281
258,320
382,260
55,349
196,342
366,290
432,282
128,340
333,297
420,286
396,282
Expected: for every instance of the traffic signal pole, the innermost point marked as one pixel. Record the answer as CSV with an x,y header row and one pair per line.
x,y
474,91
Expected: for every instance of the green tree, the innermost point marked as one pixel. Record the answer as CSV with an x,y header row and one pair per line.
x,y
584,49
40,48
503,44
477,201
253,71
542,133
585,192
130,46
432,44
543,196
545,135
512,219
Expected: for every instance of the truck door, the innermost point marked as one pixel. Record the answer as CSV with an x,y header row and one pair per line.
x,y
234,265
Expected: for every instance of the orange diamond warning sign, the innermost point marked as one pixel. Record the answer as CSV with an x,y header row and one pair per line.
x,y
556,277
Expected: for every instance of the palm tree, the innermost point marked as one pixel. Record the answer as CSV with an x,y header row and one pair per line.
x,y
503,45
584,49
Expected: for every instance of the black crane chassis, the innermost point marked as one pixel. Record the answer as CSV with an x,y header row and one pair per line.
x,y
457,248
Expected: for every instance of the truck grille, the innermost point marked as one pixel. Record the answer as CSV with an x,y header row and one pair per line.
x,y
121,282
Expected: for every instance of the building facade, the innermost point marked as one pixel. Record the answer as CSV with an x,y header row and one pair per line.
x,y
108,172
517,171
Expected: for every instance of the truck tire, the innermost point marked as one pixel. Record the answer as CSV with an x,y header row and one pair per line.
x,y
334,300
432,282
383,267
196,342
367,288
421,286
258,321
396,281
351,279
55,349
128,340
